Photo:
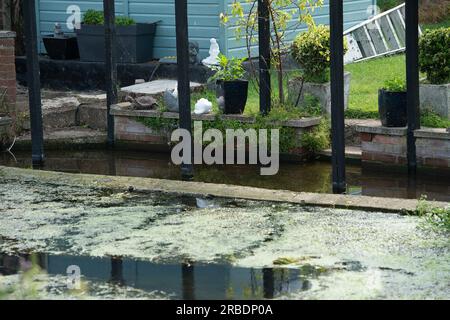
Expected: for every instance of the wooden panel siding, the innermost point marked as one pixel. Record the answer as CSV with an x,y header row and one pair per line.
x,y
204,21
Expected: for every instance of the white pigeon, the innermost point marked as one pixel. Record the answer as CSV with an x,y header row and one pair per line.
x,y
203,106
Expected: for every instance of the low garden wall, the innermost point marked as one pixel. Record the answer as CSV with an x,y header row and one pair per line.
x,y
389,146
151,129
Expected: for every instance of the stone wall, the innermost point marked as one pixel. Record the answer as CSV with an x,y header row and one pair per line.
x,y
131,132
389,146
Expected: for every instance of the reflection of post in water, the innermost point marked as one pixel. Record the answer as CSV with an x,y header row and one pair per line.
x,y
268,283
411,190
188,281
112,163
117,271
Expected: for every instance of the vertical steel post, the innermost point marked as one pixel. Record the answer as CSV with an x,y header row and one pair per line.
x,y
412,78
337,95
34,83
110,64
264,57
184,91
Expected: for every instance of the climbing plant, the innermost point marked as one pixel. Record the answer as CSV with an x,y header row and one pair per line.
x,y
285,16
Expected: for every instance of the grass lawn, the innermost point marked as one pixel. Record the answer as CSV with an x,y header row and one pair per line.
x,y
367,78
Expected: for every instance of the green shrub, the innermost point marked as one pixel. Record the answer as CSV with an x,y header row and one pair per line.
x,y
436,217
395,85
125,21
317,139
96,17
388,4
228,69
311,50
430,119
434,55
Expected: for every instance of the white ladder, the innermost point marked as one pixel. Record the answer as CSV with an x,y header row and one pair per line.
x,y
382,35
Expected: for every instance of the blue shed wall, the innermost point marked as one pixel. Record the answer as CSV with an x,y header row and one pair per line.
x,y
204,21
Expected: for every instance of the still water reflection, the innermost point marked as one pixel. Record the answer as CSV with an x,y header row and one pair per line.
x,y
308,177
185,281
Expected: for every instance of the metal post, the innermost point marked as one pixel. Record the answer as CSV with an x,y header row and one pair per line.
x,y
264,57
337,95
184,91
110,64
412,78
34,84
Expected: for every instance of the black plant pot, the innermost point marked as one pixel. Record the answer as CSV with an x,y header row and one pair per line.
x,y
61,48
392,107
134,43
232,96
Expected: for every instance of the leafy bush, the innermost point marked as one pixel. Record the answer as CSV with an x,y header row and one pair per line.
x,y
311,50
125,21
434,56
395,85
388,4
437,217
96,17
228,69
319,138
93,17
430,119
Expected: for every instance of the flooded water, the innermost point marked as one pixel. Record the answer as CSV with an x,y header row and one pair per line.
x,y
164,246
307,177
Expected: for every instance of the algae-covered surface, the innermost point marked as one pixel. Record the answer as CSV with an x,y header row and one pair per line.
x,y
318,253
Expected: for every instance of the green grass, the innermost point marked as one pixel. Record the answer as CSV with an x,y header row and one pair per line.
x,y
367,78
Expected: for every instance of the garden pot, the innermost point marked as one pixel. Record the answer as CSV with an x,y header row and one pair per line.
x,y
61,48
134,43
322,91
392,107
232,96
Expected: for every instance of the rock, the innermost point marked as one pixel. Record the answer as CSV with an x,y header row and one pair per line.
x,y
145,102
171,100
203,106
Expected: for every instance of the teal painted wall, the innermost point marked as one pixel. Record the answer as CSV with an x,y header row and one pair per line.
x,y
204,21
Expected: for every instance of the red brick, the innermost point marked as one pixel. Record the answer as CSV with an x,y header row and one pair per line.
x,y
436,163
8,83
7,59
383,139
384,158
365,136
7,67
6,52
7,42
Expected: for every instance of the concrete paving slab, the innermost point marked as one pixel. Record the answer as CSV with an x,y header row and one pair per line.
x,y
155,87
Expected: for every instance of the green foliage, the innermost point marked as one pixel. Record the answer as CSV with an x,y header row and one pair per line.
x,y
311,50
228,69
395,85
283,15
318,138
93,17
436,217
388,4
430,119
125,21
96,17
434,55
361,114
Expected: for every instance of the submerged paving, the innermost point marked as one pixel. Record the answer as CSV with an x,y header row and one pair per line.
x,y
354,254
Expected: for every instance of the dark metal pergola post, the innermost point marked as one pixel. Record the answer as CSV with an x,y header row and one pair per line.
x,y
184,91
110,64
412,78
264,57
34,83
337,95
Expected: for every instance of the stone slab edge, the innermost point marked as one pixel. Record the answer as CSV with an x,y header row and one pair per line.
x,y
124,109
220,190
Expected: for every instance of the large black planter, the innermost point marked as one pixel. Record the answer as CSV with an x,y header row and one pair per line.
x,y
134,43
61,48
232,96
392,107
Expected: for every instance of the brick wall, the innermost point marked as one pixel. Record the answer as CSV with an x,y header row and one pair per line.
x,y
389,146
8,87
